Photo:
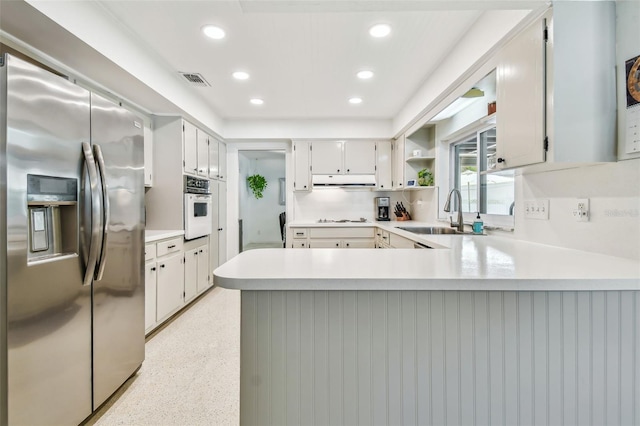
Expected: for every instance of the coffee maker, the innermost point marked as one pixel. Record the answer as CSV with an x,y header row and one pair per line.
x,y
382,208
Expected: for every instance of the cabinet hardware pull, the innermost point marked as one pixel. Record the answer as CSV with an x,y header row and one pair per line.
x,y
501,160
162,266
338,170
348,170
173,246
153,269
195,254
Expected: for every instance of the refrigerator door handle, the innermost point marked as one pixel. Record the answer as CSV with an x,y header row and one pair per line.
x,y
106,211
96,216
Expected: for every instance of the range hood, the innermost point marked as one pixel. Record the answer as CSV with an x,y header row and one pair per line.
x,y
344,180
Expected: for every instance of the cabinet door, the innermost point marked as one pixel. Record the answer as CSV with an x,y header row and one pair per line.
x,y
190,147
148,157
214,173
521,100
398,163
328,243
360,157
222,161
150,277
299,244
190,274
203,153
170,287
301,165
383,165
358,243
222,221
203,269
326,158
215,234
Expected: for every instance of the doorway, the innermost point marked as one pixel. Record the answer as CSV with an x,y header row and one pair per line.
x,y
260,216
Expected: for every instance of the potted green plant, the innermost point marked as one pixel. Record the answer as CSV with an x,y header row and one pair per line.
x,y
257,184
425,177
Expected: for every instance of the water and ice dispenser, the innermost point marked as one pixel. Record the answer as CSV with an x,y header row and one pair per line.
x,y
53,216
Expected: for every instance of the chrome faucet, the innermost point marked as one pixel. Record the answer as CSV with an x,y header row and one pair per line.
x,y
447,208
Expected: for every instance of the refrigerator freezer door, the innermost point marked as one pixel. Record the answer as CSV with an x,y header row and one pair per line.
x,y
48,310
118,296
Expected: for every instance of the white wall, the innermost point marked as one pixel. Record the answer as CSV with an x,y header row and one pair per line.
x,y
340,203
614,193
260,216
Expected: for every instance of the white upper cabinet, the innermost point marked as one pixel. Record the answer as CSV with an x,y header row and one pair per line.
x,y
359,157
148,156
398,163
556,96
343,157
301,166
222,161
214,172
383,165
521,99
190,147
203,153
327,158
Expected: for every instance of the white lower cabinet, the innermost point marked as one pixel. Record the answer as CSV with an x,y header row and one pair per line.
x,y
333,237
170,286
175,273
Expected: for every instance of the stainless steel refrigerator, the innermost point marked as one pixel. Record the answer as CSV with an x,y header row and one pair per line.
x,y
71,249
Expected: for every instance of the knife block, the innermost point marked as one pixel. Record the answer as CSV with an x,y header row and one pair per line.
x,y
405,216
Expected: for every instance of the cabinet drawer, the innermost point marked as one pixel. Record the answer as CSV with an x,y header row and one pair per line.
x,y
149,251
299,232
169,246
341,233
299,243
358,243
400,242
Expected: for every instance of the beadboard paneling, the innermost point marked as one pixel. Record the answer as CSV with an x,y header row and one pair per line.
x,y
440,357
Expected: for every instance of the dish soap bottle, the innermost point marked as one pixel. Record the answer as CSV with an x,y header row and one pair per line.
x,y
478,226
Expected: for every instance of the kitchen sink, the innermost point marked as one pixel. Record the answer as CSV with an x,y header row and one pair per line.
x,y
431,230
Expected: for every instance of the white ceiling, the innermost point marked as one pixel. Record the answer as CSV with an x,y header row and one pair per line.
x,y
302,55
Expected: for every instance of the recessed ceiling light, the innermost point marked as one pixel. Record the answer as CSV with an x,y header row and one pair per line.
x,y
256,101
380,30
240,75
366,74
355,101
213,32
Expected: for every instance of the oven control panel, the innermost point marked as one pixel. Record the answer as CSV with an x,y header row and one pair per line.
x,y
194,185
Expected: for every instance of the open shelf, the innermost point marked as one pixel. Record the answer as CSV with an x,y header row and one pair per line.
x,y
418,159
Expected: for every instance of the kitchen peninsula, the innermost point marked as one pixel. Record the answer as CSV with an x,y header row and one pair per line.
x,y
483,330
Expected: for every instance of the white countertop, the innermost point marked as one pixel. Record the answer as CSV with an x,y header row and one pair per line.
x,y
464,262
151,235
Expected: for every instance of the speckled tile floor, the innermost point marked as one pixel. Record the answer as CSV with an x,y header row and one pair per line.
x,y
191,372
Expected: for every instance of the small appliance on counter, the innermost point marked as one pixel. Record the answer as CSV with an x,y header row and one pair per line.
x,y
382,208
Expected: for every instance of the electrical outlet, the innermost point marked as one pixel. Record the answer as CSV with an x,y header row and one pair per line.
x,y
581,213
536,209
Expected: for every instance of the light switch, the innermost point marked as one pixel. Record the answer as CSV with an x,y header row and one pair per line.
x,y
536,209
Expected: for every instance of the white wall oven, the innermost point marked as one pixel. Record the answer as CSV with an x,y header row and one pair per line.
x,y
197,208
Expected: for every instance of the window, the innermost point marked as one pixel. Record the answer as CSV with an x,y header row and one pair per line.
x,y
491,194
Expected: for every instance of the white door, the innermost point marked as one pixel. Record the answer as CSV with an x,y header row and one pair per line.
x,y
383,165
203,154
190,274
170,286
190,147
150,277
222,222
360,157
213,158
203,278
302,173
222,161
398,163
521,100
326,158
214,238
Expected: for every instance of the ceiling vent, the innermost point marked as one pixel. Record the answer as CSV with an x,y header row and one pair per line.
x,y
195,79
